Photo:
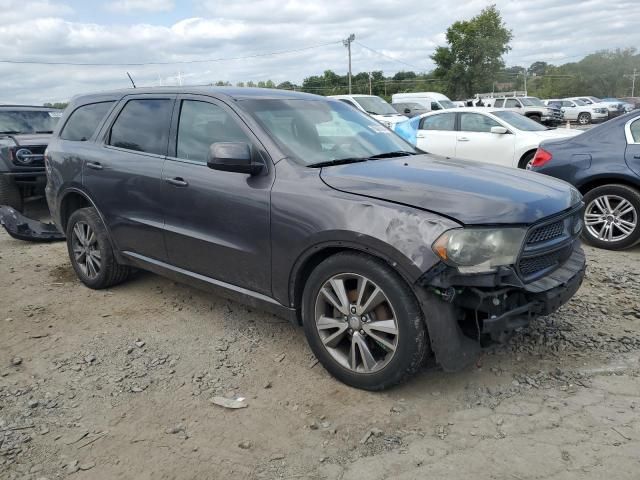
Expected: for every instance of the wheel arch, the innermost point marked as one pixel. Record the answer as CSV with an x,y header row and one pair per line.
x,y
528,151
607,180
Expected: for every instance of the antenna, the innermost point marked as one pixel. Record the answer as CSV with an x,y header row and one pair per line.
x,y
132,83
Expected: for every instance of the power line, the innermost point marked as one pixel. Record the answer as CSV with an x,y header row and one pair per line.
x,y
178,62
389,57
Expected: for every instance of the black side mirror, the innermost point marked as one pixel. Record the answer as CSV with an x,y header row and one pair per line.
x,y
232,157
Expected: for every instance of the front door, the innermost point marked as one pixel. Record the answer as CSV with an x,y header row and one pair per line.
x,y
124,177
217,224
476,142
437,135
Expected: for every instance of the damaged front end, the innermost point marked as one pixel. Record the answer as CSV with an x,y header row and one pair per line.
x,y
23,228
547,272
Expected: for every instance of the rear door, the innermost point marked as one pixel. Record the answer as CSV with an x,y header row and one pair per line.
x,y
476,142
437,134
570,110
632,152
125,178
217,223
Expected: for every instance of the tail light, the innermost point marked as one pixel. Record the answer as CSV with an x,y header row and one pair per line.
x,y
542,157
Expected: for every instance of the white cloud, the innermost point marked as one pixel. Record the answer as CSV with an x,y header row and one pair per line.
x,y
549,30
128,6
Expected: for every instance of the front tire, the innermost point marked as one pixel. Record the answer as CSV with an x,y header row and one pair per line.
x,y
526,160
362,322
536,118
611,217
584,118
10,194
91,252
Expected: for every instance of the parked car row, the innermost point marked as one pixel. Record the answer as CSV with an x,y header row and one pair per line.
x,y
576,110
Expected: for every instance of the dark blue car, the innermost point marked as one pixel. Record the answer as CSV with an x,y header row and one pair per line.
x,y
604,164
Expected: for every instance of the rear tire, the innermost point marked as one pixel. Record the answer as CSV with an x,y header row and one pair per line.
x,y
366,343
91,252
584,118
10,194
612,217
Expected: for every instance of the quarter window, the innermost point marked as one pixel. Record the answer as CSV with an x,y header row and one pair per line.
x,y
200,125
476,122
442,121
84,120
635,131
143,126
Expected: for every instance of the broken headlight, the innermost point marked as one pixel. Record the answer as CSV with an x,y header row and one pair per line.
x,y
475,250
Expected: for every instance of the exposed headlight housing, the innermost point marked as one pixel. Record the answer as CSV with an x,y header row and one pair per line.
x,y
476,250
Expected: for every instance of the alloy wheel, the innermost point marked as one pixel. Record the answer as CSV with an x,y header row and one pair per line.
x,y
610,218
86,250
356,323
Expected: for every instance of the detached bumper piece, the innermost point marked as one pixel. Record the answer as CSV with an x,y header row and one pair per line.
x,y
22,228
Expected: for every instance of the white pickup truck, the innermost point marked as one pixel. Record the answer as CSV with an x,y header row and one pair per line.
x,y
530,107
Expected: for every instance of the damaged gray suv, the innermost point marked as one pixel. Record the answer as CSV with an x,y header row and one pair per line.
x,y
310,209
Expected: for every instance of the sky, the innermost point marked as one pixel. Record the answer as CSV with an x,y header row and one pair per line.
x,y
391,35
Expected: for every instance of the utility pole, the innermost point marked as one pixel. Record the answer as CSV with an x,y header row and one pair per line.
x,y
370,91
525,80
347,43
633,81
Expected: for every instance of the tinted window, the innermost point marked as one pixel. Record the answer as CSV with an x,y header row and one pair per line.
x,y
499,102
512,103
443,121
84,121
635,131
202,124
143,126
435,106
475,122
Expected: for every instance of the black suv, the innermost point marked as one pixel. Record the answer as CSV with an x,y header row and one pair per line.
x,y
24,134
311,209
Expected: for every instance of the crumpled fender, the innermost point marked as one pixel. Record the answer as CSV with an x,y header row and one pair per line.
x,y
22,228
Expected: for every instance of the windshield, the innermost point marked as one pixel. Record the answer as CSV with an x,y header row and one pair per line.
x,y
532,102
375,106
316,131
519,121
446,104
28,121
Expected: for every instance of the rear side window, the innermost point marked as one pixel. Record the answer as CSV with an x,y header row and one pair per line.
x,y
84,120
143,126
443,121
635,131
499,102
200,125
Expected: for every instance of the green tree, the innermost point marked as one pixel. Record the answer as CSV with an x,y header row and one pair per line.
x,y
473,57
240,84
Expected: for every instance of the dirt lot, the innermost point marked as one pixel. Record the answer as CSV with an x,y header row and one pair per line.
x,y
117,384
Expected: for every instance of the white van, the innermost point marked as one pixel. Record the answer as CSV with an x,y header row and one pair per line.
x,y
374,106
430,100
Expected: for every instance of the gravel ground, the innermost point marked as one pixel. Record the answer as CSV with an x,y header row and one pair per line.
x,y
119,384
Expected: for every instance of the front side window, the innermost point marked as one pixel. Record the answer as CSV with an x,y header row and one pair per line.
x,y
435,106
200,125
84,120
476,122
315,131
442,121
566,103
512,103
28,121
143,126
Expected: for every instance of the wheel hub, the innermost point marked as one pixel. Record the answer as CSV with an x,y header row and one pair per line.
x,y
355,323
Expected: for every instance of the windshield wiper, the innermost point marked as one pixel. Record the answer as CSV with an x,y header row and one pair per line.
x,y
339,161
44,131
9,132
399,153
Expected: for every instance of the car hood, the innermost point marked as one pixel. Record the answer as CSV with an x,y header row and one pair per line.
x,y
558,133
469,192
390,118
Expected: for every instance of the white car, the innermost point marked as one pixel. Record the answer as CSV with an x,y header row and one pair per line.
x,y
576,110
374,106
489,135
614,108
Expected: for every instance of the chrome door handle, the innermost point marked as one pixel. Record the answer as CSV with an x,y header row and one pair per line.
x,y
177,182
95,165
463,139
